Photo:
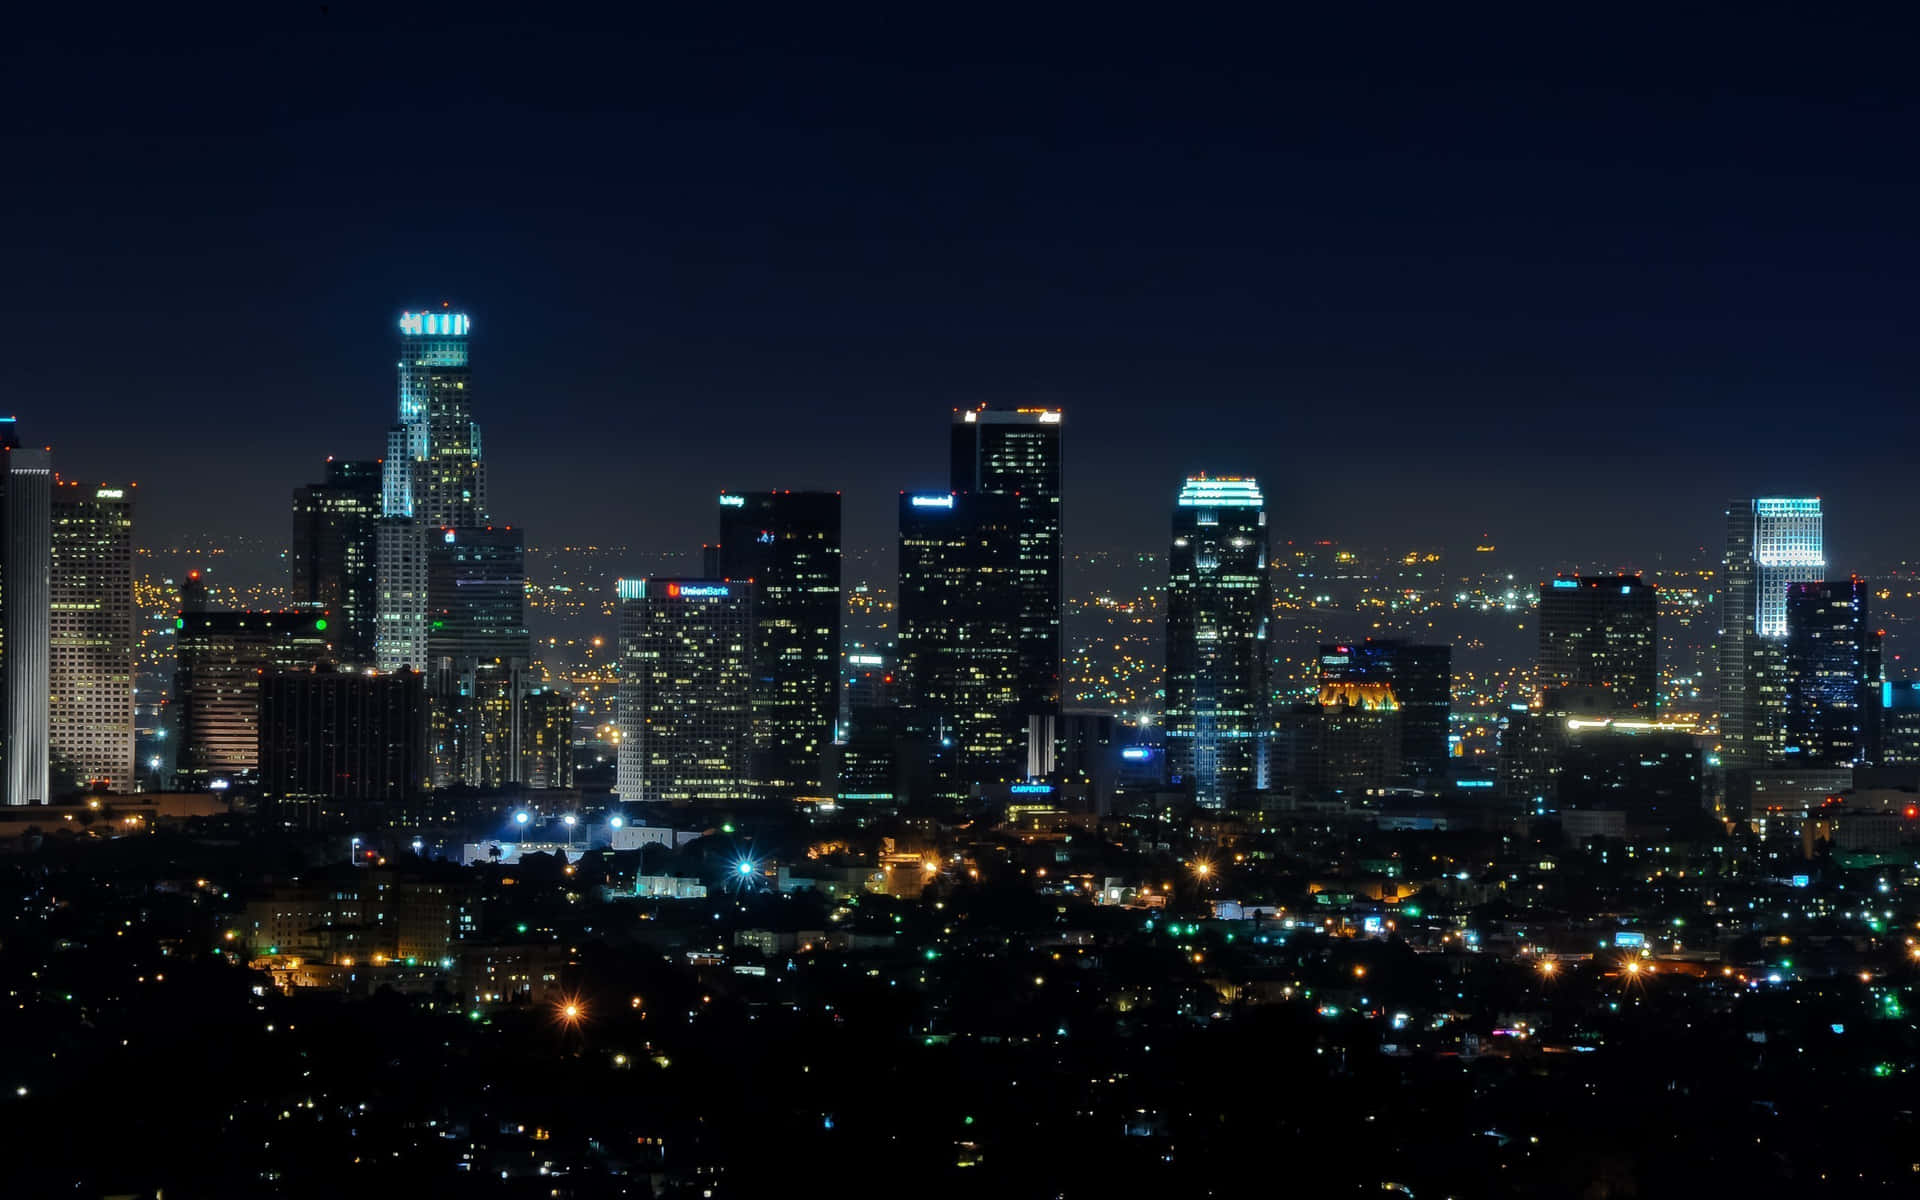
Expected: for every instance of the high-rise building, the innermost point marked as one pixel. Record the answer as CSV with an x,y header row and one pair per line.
x,y
91,647
1350,740
1600,634
335,545
341,748
478,653
1771,542
788,545
1422,681
546,738
1219,601
433,478
1832,657
957,622
26,599
686,690
1016,452
220,660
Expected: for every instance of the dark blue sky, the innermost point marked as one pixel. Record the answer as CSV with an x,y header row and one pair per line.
x,y
1569,278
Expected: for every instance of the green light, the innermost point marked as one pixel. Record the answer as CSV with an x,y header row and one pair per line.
x,y
969,1120
320,624
179,622
522,927
474,1015
932,954
1882,1070
726,828
413,962
1412,910
273,949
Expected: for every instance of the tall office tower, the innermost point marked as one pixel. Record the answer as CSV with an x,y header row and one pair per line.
x,y
1354,738
1832,658
91,648
478,652
1599,636
546,739
220,660
26,601
340,748
335,530
1422,681
1017,453
1771,542
433,478
686,690
957,629
788,544
1219,719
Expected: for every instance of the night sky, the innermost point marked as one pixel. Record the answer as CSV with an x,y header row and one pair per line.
x,y
1568,285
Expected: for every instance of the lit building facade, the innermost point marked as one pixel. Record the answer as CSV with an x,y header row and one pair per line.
x,y
788,545
1832,656
1421,678
1219,602
221,659
91,645
957,631
1771,542
433,478
334,550
1016,453
478,654
1600,633
26,599
686,690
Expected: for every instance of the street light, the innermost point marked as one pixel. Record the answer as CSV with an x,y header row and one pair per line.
x,y
522,817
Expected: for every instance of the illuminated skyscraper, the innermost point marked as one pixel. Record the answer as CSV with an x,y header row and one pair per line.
x,y
92,634
1421,678
433,478
335,526
788,545
1599,634
686,690
957,625
1017,453
26,583
1832,658
221,659
1771,542
1219,601
478,653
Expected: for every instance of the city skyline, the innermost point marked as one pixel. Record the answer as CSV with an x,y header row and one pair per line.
x,y
1200,283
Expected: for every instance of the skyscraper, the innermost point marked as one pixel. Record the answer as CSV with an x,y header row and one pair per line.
x,y
1017,453
335,532
341,748
788,545
478,653
1599,634
1422,681
1219,602
1832,657
221,659
957,626
26,598
433,478
91,647
1771,542
686,690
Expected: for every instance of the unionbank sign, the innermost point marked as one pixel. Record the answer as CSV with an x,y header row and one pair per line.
x,y
697,589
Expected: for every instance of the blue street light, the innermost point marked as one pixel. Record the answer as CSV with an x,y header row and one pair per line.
x,y
522,817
